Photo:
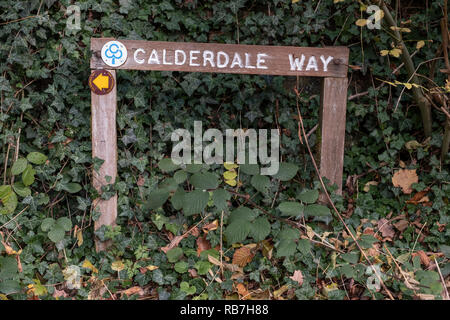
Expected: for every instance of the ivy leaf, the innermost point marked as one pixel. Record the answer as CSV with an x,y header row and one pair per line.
x,y
19,166
286,172
292,209
37,158
194,202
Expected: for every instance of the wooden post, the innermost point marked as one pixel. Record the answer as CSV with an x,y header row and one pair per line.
x,y
332,129
104,146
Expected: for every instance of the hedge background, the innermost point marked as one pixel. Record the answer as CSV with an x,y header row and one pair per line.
x,y
45,108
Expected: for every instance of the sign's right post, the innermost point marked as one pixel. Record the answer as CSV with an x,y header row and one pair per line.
x,y
332,129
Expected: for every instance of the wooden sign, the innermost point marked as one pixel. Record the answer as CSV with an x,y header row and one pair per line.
x,y
328,63
224,58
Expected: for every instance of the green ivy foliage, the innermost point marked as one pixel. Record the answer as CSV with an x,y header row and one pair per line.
x,y
46,190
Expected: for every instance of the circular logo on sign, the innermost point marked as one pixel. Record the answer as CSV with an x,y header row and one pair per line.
x,y
101,82
114,53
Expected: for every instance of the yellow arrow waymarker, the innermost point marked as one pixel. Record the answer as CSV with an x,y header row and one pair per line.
x,y
102,82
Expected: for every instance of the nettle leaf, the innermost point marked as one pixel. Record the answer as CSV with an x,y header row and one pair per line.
x,y
286,172
181,267
157,198
260,229
37,158
309,196
292,209
260,183
19,166
203,267
195,202
167,165
204,181
28,175
317,210
220,198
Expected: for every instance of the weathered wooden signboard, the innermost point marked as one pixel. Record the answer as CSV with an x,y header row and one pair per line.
x,y
109,54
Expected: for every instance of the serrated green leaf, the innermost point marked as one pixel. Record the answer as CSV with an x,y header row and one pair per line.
x,y
317,210
180,176
167,165
250,169
195,202
237,231
177,199
204,181
157,198
242,214
309,196
286,172
286,248
260,229
260,183
290,208
181,267
220,198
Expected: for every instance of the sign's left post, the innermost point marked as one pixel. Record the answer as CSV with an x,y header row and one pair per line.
x,y
104,145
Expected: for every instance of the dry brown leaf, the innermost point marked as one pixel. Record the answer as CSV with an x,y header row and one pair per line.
x,y
424,258
419,197
401,225
242,291
195,232
298,276
404,178
173,243
202,244
133,290
242,256
277,293
385,228
211,226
